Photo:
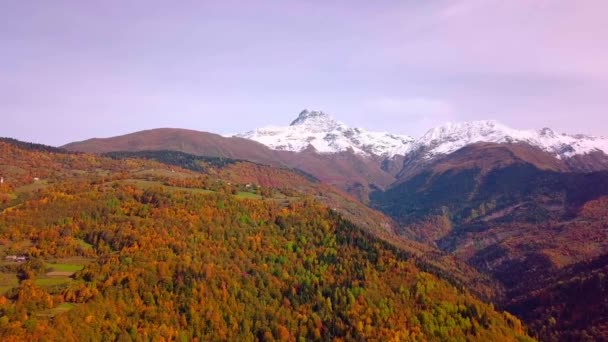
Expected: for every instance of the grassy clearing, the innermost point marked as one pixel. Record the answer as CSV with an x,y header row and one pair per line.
x,y
59,309
64,267
59,274
75,260
248,195
195,190
142,183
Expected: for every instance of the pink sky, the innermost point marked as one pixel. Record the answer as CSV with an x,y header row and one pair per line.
x,y
71,70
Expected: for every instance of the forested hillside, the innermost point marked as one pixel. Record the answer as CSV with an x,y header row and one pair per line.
x,y
137,250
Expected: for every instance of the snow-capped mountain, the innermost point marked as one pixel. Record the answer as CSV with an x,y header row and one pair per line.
x,y
453,136
326,135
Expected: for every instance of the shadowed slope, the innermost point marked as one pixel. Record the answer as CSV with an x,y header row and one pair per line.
x,y
512,212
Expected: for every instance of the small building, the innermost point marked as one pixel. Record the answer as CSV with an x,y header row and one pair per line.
x,y
16,258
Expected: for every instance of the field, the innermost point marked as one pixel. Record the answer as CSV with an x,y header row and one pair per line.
x,y
69,268
59,309
248,195
57,273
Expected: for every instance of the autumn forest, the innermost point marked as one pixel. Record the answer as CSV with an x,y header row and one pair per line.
x,y
133,249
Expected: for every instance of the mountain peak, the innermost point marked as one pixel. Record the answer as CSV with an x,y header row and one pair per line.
x,y
451,137
317,129
547,132
307,116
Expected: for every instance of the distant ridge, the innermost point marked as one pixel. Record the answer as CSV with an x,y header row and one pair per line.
x,y
355,159
320,131
348,171
33,146
178,139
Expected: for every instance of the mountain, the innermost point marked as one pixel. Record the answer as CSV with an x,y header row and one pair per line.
x,y
401,154
354,173
356,160
318,130
518,209
130,248
514,212
451,137
579,152
177,139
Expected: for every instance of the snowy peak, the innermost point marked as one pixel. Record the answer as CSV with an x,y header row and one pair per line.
x,y
464,131
547,132
453,136
307,117
315,121
320,131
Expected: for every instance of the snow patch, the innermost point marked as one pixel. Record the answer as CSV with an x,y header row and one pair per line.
x,y
453,136
326,135
319,130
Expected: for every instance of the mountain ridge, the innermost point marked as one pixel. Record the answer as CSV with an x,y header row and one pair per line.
x,y
345,170
354,159
326,135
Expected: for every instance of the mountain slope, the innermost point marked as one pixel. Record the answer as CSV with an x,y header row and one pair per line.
x,y
380,226
177,139
483,156
569,305
353,173
129,249
578,152
512,212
